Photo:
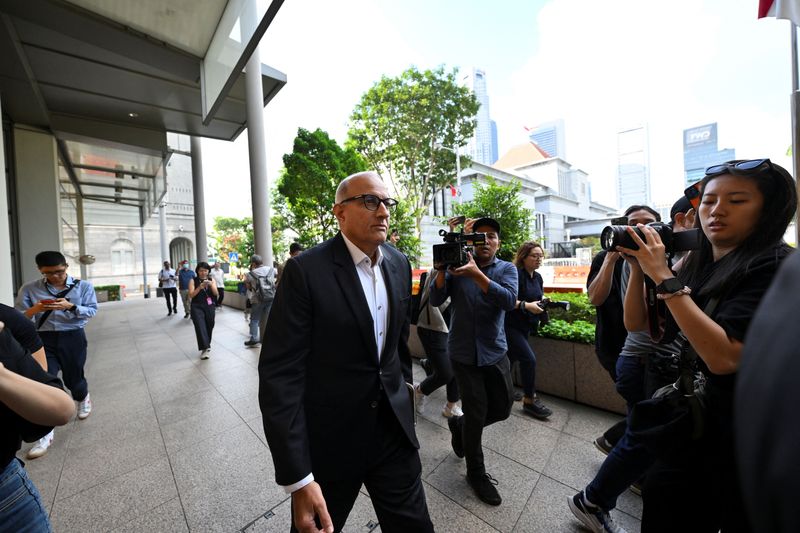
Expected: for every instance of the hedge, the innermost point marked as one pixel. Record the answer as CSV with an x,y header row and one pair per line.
x,y
575,325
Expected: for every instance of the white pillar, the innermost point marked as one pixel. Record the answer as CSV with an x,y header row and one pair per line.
x,y
162,232
6,269
259,184
201,238
81,234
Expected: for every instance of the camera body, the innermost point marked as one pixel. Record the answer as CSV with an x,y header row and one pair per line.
x,y
453,252
547,303
674,241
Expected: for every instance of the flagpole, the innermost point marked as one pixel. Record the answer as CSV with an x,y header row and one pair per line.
x,y
795,106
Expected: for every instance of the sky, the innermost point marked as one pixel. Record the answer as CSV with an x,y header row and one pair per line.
x,y
599,66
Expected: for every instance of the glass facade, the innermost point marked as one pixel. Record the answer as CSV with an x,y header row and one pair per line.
x,y
700,152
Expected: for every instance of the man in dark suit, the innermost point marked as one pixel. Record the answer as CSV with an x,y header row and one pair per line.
x,y
333,373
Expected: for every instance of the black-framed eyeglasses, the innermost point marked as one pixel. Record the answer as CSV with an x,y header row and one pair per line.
x,y
58,272
746,167
372,202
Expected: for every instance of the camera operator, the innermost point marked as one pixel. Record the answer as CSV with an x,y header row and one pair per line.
x,y
481,292
606,292
643,366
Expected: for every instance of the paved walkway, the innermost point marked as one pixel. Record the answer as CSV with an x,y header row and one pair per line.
x,y
176,444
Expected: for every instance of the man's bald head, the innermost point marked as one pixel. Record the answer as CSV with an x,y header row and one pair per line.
x,y
347,183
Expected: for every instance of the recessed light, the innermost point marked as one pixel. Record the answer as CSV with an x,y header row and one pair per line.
x,y
133,115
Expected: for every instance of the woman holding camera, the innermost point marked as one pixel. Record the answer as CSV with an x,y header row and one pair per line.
x,y
745,208
523,320
203,295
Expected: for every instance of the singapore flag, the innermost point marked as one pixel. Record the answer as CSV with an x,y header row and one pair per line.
x,y
782,9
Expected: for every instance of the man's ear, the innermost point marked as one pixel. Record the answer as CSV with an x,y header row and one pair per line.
x,y
337,212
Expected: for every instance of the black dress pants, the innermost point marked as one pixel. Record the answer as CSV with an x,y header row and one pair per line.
x,y
203,320
66,352
392,475
486,397
221,296
171,292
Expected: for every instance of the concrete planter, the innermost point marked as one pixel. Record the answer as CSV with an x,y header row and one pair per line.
x,y
102,296
235,300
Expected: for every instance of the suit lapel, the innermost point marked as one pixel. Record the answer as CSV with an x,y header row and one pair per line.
x,y
347,278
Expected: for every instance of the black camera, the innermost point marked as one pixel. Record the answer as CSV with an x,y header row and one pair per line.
x,y
547,303
453,253
674,241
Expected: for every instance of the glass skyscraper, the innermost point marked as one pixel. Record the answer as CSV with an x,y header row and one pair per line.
x,y
633,172
483,146
550,138
700,152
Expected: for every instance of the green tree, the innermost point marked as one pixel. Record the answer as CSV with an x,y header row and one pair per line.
x,y
307,185
502,203
399,125
403,221
233,235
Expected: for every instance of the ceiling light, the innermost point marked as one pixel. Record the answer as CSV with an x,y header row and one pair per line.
x,y
133,115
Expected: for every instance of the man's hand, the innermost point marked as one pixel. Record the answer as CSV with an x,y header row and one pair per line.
x,y
307,503
61,304
469,270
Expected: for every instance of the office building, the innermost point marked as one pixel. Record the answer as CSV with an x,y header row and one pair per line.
x,y
481,147
700,152
549,137
633,172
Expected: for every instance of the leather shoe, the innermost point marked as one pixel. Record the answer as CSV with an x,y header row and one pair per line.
x,y
484,487
456,435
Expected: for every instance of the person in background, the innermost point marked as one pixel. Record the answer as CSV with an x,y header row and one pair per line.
x,y
218,275
166,280
394,238
185,275
432,332
523,320
203,293
61,306
31,403
260,283
295,249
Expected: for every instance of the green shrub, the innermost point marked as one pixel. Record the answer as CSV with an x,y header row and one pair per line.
x,y
578,331
579,307
232,285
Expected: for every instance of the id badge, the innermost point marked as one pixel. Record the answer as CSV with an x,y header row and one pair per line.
x,y
209,301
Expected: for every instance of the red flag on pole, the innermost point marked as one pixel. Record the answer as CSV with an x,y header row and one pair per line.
x,y
782,9
452,191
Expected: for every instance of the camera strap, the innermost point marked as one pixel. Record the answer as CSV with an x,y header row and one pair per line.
x,y
656,310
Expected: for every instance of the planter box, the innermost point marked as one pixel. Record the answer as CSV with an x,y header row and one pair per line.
x,y
102,296
235,300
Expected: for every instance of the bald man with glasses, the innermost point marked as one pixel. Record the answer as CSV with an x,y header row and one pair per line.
x,y
60,307
334,370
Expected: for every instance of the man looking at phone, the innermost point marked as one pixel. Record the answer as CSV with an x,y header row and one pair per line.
x,y
60,306
166,280
481,292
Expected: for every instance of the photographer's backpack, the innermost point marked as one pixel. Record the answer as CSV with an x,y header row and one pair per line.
x,y
264,287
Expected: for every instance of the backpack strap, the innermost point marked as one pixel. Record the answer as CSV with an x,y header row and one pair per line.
x,y
49,312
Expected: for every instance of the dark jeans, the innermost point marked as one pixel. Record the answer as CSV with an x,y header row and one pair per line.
x,y
486,396
66,352
203,320
520,350
221,296
392,475
435,344
21,506
171,292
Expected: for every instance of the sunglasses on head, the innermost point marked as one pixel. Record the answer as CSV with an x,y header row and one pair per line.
x,y
737,168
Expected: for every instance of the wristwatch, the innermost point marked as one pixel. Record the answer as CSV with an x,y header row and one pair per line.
x,y
669,286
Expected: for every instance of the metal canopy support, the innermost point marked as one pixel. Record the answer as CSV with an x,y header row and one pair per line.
x,y
199,201
162,232
144,254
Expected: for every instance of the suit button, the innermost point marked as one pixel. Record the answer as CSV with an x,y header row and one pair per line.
x,y
373,404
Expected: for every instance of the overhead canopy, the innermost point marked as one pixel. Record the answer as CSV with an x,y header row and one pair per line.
x,y
109,79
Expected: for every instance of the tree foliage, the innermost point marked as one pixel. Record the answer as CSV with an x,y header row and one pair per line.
x,y
504,204
233,235
403,221
398,125
307,185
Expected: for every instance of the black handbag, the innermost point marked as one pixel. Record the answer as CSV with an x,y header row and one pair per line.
x,y
675,417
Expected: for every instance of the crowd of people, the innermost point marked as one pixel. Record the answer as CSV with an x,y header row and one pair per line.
x,y
337,394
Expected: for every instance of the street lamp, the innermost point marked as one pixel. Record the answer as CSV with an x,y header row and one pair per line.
x,y
454,149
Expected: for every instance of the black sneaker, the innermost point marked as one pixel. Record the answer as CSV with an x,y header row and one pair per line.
x,y
251,343
456,435
537,409
484,487
594,518
603,445
518,396
426,366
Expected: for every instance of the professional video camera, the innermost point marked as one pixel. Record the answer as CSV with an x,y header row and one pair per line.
x,y
547,303
674,241
453,253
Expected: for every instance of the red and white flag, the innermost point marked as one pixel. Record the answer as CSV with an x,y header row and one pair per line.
x,y
782,9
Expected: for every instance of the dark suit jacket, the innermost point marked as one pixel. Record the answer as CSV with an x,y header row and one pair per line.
x,y
319,373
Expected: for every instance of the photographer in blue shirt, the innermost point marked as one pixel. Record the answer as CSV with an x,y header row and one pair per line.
x,y
481,292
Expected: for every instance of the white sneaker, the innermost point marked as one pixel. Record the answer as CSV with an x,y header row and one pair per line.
x,y
204,354
41,446
447,412
85,407
420,399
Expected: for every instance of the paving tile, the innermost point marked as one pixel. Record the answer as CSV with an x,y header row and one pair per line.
x,y
90,465
46,470
588,423
516,483
246,406
236,381
168,518
189,405
116,501
257,426
123,400
187,431
434,445
178,384
561,412
449,517
103,424
225,480
527,443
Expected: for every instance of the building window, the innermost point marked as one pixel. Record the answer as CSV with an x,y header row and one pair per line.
x,y
122,257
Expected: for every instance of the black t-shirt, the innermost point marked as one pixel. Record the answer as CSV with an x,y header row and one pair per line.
x,y
610,332
21,327
15,429
531,289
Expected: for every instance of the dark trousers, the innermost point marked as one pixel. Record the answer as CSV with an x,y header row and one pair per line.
x,y
615,432
171,292
486,397
435,344
520,350
203,320
66,352
221,296
393,477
